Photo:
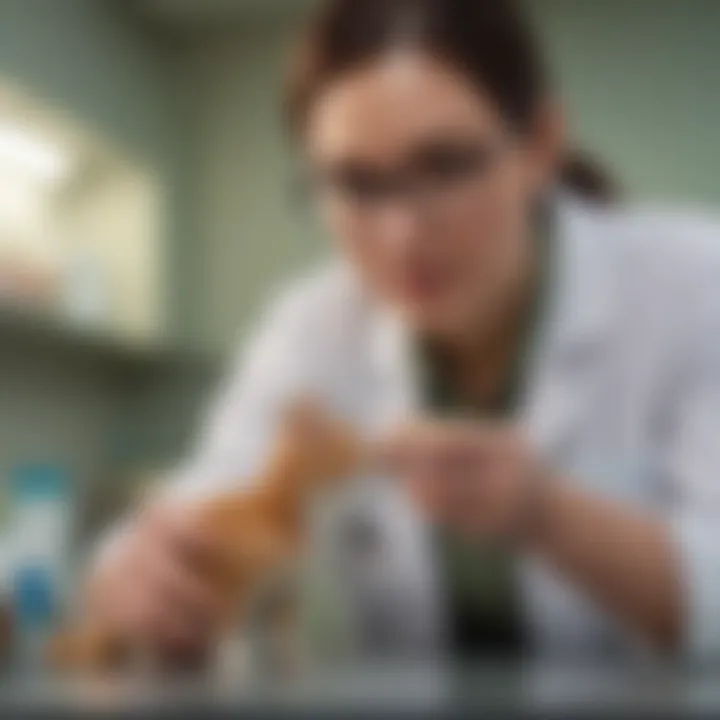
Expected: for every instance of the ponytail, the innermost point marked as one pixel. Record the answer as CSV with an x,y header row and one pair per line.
x,y
584,175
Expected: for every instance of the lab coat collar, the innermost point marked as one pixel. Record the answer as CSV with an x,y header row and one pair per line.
x,y
581,303
578,319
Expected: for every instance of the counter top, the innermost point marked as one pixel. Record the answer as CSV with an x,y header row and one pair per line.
x,y
490,691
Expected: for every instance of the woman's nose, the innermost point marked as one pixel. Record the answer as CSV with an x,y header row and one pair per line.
x,y
401,225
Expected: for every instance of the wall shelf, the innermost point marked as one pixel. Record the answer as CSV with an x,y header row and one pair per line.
x,y
34,332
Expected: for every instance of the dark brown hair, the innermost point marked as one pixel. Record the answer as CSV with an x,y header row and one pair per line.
x,y
488,40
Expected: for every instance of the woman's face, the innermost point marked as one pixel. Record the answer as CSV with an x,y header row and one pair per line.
x,y
427,190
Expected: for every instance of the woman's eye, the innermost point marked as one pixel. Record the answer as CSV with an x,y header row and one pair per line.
x,y
361,185
453,164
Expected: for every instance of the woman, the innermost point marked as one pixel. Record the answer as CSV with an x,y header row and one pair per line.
x,y
564,491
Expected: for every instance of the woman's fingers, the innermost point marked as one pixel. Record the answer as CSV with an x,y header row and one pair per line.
x,y
178,587
154,591
176,527
472,475
429,447
448,491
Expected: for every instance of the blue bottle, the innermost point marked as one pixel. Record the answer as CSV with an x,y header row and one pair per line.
x,y
39,549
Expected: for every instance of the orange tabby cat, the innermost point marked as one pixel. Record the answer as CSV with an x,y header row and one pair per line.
x,y
259,529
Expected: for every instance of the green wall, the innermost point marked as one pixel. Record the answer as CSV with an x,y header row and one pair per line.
x,y
641,81
252,232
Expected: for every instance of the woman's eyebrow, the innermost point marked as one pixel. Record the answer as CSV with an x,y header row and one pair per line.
x,y
417,149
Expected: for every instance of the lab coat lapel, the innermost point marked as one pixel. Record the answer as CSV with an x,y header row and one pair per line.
x,y
403,588
395,370
561,383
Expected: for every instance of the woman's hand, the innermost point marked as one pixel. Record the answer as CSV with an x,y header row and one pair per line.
x,y
483,480
480,478
146,588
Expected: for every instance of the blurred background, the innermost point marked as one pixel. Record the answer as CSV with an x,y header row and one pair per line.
x,y
146,212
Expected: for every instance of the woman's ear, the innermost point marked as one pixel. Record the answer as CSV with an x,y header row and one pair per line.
x,y
546,145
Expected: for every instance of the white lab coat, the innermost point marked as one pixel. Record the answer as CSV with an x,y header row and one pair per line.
x,y
623,395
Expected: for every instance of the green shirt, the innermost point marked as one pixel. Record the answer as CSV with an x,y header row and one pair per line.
x,y
481,588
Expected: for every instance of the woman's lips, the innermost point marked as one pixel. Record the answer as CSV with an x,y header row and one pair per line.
x,y
424,284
